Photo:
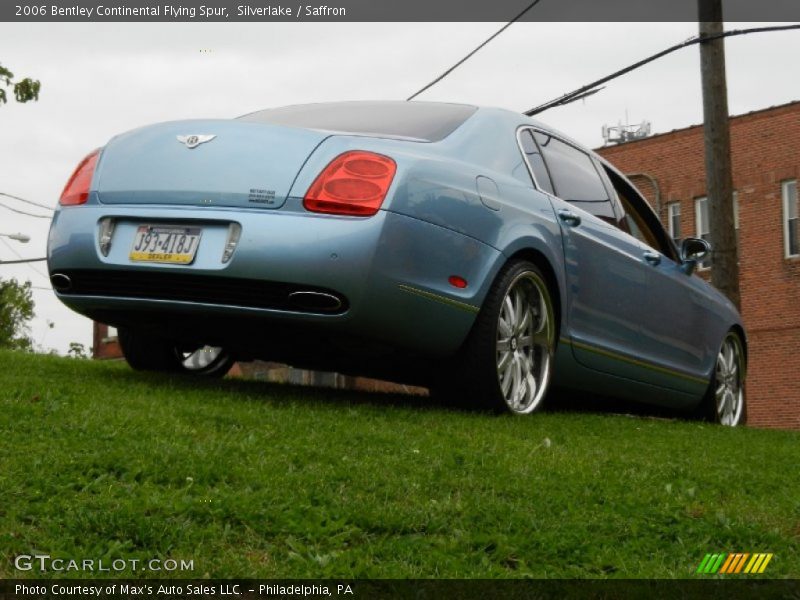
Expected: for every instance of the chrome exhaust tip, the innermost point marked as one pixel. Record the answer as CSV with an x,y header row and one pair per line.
x,y
315,301
61,283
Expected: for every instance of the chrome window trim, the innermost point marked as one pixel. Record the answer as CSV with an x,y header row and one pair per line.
x,y
536,184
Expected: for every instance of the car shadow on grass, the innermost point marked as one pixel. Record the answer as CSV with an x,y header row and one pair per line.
x,y
255,389
562,401
557,402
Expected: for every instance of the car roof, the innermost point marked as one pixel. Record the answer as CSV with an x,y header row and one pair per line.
x,y
416,121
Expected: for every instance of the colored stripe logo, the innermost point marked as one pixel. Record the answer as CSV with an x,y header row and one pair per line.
x,y
733,564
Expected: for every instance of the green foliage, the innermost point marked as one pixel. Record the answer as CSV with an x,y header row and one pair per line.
x,y
259,480
77,350
16,309
25,90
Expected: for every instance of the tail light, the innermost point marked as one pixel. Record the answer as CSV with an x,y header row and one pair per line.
x,y
77,189
354,183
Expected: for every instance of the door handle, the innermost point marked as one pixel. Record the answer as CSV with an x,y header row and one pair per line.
x,y
654,258
569,217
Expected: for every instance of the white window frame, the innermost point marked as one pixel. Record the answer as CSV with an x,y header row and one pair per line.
x,y
785,195
111,334
698,229
671,214
697,223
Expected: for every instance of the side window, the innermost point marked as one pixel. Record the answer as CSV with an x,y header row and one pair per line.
x,y
637,219
574,177
535,161
633,222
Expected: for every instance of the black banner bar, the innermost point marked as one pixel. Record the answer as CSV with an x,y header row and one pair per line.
x,y
733,588
387,10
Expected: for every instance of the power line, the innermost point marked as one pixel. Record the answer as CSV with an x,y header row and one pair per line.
x,y
24,260
468,56
17,254
590,88
31,202
22,212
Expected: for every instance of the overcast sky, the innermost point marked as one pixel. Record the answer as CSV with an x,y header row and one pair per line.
x,y
102,79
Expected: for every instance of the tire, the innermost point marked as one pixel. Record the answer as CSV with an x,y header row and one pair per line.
x,y
724,401
145,352
507,360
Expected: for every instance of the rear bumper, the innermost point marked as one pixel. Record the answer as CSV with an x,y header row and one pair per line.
x,y
390,271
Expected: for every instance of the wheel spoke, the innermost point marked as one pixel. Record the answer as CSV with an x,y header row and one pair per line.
x,y
722,366
503,345
516,378
518,310
521,393
722,407
531,388
510,315
541,336
506,378
729,357
729,407
504,328
502,365
525,322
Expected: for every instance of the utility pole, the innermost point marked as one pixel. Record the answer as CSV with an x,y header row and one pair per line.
x,y
719,180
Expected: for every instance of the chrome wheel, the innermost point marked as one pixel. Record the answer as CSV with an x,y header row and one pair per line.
x,y
201,359
146,351
729,382
525,343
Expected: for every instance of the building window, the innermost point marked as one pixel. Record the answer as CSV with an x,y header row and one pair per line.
x,y
791,229
701,224
111,334
674,221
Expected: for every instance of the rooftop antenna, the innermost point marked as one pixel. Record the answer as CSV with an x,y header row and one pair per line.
x,y
619,134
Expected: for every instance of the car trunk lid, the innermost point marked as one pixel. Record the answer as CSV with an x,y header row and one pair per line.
x,y
204,163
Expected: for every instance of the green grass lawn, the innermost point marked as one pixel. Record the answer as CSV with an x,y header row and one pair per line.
x,y
250,479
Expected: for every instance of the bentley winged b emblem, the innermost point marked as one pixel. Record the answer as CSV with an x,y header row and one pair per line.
x,y
193,141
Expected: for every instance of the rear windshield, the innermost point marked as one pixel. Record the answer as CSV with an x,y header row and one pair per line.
x,y
422,121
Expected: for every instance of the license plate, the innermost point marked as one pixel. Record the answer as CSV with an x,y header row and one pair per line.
x,y
165,244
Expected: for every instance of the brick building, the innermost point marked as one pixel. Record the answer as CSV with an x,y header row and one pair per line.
x,y
765,147
104,342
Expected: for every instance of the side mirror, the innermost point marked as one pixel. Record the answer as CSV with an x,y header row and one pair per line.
x,y
693,250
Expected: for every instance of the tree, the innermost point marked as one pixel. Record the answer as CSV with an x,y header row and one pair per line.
x,y
25,90
16,309
77,350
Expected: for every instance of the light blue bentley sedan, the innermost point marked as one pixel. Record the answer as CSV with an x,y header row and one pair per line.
x,y
471,250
